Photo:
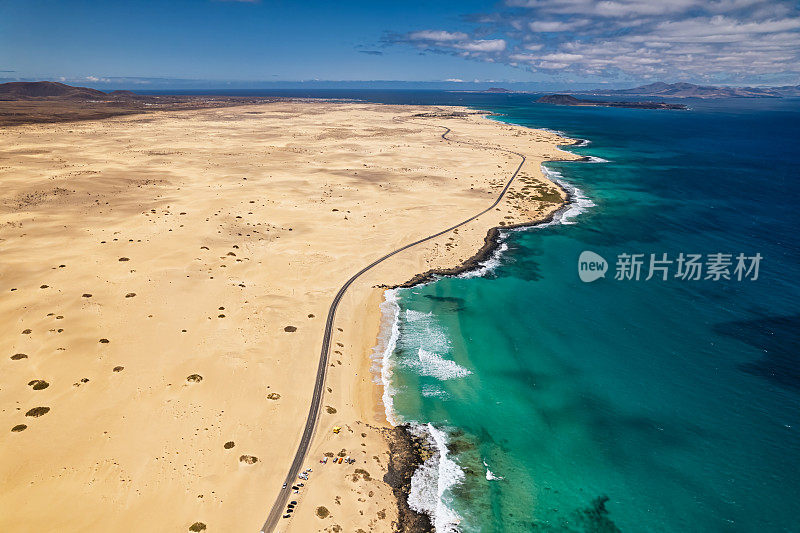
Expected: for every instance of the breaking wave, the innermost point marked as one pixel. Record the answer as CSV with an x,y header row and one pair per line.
x,y
433,480
491,476
487,266
382,353
579,202
433,365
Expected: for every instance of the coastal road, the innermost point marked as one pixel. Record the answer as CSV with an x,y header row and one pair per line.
x,y
316,401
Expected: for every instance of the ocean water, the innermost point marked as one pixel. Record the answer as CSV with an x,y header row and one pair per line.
x,y
620,405
616,405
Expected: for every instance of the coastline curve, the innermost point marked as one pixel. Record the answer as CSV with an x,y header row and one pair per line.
x,y
316,402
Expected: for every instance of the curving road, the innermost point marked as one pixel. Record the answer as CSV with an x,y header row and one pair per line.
x,y
316,400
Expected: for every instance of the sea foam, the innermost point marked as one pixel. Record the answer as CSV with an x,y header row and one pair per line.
x,y
487,266
432,481
579,202
434,391
434,365
422,333
382,352
491,476
422,330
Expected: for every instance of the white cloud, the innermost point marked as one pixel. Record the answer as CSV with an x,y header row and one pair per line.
x,y
550,26
523,58
433,35
679,39
562,57
719,29
458,43
483,45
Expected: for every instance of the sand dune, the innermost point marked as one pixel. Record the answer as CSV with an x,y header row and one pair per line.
x,y
165,280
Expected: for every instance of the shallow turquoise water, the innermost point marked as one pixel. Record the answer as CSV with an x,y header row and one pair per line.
x,y
638,405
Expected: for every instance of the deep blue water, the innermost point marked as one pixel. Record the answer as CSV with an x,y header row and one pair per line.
x,y
664,406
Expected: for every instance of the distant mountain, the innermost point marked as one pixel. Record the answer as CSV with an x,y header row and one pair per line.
x,y
787,90
690,90
497,90
47,89
565,99
122,93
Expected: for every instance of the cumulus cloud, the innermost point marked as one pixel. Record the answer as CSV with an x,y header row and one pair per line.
x,y
439,36
545,26
671,39
482,45
458,43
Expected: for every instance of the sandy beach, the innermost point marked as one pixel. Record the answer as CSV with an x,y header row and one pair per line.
x,y
164,283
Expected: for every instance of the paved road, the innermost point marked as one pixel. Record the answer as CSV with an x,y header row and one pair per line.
x,y
316,401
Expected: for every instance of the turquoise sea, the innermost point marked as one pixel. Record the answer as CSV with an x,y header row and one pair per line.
x,y
616,405
621,405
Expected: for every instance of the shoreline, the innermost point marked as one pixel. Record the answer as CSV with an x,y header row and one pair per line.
x,y
411,459
492,243
492,240
403,458
313,417
249,209
408,453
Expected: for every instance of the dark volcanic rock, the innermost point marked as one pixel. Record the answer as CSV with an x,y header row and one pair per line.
x,y
407,453
558,99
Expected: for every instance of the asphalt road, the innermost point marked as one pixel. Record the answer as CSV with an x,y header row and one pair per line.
x,y
278,507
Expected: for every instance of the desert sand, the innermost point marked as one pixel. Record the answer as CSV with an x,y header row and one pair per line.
x,y
164,282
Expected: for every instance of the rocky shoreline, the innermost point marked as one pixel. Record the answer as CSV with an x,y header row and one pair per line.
x,y
406,453
491,243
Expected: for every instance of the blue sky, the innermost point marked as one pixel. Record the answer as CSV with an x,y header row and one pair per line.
x,y
552,41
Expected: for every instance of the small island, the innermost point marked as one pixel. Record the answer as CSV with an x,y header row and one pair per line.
x,y
565,99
